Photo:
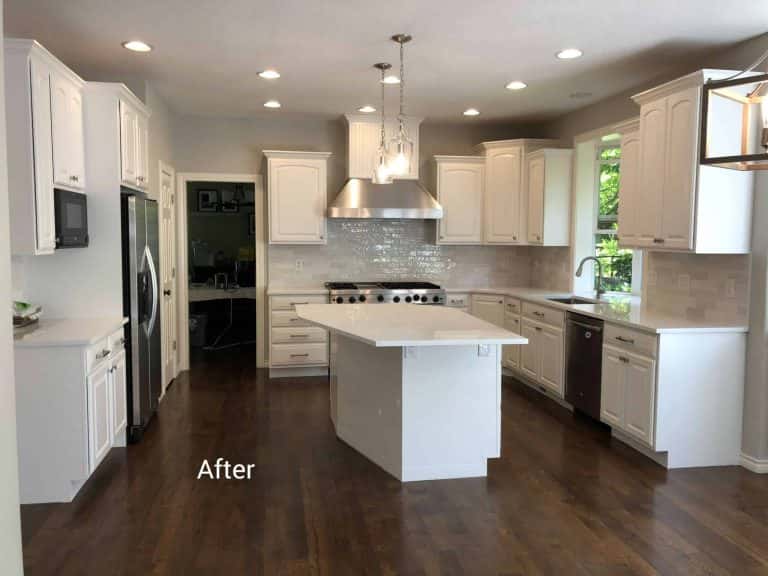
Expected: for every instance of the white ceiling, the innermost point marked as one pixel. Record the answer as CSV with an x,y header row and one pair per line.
x,y
207,53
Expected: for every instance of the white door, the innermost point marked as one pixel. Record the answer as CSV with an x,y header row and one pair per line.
x,y
460,192
99,428
680,170
118,391
612,387
640,398
128,133
61,130
653,141
43,156
551,371
77,138
503,203
511,354
168,273
142,151
489,308
536,200
530,354
297,201
628,190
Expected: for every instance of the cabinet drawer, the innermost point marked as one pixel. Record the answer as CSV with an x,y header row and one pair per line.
x,y
289,302
543,314
488,298
457,300
283,318
629,339
97,353
117,341
512,305
299,354
294,335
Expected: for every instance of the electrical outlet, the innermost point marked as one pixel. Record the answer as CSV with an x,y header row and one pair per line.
x,y
684,282
483,350
730,288
299,265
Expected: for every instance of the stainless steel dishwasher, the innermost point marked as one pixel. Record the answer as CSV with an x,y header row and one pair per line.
x,y
584,363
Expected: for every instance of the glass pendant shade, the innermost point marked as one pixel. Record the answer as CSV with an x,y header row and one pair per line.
x,y
381,171
399,153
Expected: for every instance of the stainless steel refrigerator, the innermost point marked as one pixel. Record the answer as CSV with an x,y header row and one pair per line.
x,y
141,301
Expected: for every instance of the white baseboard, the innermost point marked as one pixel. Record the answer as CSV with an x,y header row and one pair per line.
x,y
758,465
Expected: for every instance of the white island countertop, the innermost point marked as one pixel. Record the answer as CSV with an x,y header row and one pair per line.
x,y
393,326
66,332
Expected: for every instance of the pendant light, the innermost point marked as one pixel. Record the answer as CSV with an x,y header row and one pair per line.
x,y
381,171
400,147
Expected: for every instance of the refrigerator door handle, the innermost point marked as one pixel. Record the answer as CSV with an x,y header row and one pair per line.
x,y
153,277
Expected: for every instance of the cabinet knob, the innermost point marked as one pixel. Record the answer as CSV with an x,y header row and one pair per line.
x,y
658,240
74,178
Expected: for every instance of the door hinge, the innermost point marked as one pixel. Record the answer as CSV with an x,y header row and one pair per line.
x,y
174,345
173,198
173,272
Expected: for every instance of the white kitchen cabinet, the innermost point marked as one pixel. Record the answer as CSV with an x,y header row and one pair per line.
x,y
460,189
551,341
530,355
504,195
118,393
364,137
297,194
678,204
489,307
134,144
45,123
295,346
612,387
99,425
67,132
632,212
549,196
511,354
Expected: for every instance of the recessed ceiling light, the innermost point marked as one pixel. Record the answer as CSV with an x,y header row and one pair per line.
x,y
271,104
516,85
391,79
137,46
471,112
366,109
269,74
569,54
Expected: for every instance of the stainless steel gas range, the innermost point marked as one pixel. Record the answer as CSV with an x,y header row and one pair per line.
x,y
385,293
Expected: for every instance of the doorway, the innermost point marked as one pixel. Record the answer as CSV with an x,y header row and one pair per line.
x,y
221,256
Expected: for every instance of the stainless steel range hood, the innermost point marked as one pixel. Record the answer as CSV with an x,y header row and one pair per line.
x,y
407,199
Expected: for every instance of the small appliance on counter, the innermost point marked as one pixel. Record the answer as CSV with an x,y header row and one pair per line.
x,y
25,314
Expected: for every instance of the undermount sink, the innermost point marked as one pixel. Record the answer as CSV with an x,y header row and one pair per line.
x,y
572,300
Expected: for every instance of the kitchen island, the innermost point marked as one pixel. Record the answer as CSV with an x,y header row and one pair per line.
x,y
416,389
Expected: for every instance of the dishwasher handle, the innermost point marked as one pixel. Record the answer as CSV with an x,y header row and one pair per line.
x,y
592,327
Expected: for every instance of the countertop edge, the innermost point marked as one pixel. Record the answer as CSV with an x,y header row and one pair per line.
x,y
109,326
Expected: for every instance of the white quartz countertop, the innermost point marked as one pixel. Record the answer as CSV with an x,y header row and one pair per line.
x,y
66,332
393,325
626,310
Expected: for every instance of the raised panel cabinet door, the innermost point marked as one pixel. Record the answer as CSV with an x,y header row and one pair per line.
x,y
511,354
612,387
460,192
503,196
678,199
99,415
536,200
61,129
489,308
45,222
628,190
552,359
640,398
118,393
297,201
77,138
142,151
128,149
530,354
650,187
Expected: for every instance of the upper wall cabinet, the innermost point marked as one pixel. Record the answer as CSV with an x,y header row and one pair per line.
x,y
297,192
549,196
460,185
44,116
134,144
678,204
364,137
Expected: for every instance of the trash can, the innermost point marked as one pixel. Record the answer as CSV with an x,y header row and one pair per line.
x,y
197,330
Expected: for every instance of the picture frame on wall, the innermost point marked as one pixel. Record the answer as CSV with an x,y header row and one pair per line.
x,y
251,224
207,200
229,203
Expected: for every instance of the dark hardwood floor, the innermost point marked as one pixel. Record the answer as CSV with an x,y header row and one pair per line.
x,y
564,499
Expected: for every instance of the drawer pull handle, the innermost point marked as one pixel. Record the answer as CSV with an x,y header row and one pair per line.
x,y
625,340
624,359
300,355
538,329
294,319
658,240
298,303
299,336
539,314
103,354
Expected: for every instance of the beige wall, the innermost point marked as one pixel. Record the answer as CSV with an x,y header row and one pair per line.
x,y
10,524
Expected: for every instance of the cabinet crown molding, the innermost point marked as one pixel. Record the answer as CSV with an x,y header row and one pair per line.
x,y
627,126
694,79
468,159
27,46
516,143
122,92
550,152
295,154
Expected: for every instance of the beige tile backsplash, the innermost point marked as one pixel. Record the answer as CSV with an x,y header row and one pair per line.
x,y
550,268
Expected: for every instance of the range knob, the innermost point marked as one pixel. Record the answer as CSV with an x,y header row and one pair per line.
x,y
339,300
423,298
380,298
396,299
435,299
407,298
351,299
362,298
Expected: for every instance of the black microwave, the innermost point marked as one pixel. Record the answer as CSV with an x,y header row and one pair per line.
x,y
71,213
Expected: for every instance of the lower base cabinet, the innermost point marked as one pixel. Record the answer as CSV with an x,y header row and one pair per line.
x,y
295,344
542,359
